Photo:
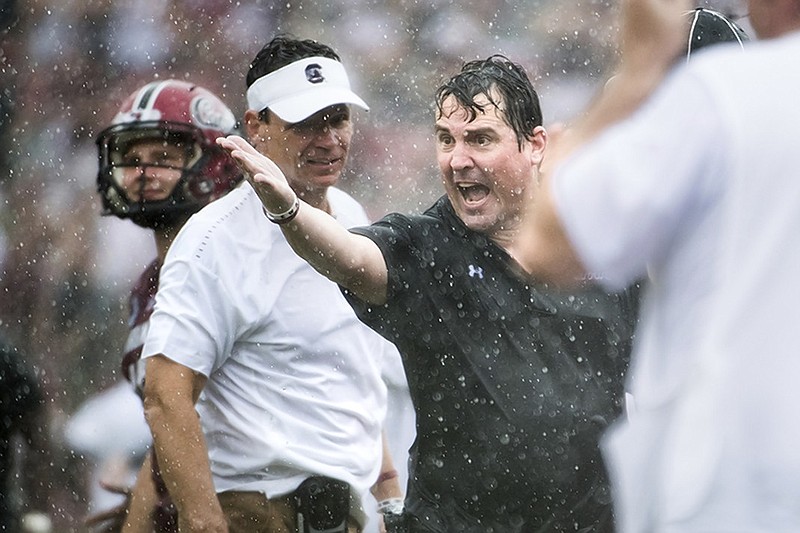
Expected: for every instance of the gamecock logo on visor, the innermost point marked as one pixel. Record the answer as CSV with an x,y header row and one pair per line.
x,y
314,73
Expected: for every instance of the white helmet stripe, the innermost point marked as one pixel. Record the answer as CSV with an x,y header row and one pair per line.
x,y
695,18
147,97
143,108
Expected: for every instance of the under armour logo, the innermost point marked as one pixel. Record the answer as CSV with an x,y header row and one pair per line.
x,y
314,73
475,271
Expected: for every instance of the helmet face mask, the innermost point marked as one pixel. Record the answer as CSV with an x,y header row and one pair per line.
x,y
175,113
115,163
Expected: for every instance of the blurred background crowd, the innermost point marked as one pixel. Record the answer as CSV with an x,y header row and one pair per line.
x,y
66,65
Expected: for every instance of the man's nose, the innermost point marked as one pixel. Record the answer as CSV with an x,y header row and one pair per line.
x,y
461,157
138,175
327,136
144,170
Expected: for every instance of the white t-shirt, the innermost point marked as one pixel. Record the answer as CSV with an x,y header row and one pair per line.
x,y
701,190
294,382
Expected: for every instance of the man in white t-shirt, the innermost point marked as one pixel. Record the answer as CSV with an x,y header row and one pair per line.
x,y
263,390
690,174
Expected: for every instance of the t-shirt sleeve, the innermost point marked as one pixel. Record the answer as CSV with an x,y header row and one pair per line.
x,y
623,198
191,323
392,236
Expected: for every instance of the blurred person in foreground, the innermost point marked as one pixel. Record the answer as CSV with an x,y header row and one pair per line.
x,y
25,454
512,381
158,165
688,172
263,390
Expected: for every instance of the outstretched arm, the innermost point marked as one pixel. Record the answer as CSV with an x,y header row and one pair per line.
x,y
653,36
351,260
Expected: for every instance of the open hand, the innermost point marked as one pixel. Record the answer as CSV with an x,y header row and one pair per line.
x,y
263,174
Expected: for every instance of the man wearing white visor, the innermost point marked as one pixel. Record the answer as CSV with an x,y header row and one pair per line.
x,y
302,88
263,390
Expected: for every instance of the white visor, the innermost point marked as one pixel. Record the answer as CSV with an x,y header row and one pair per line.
x,y
300,89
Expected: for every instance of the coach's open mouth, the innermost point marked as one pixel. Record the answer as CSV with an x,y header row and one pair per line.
x,y
473,192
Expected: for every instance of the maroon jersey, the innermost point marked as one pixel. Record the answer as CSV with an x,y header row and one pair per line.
x,y
141,303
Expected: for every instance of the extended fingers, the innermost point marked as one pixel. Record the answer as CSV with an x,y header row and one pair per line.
x,y
266,177
249,159
257,166
232,142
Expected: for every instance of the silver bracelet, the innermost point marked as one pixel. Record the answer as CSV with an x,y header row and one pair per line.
x,y
391,506
286,216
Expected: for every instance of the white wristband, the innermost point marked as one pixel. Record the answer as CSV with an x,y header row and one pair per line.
x,y
391,506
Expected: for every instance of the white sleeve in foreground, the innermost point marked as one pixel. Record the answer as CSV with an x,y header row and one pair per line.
x,y
623,197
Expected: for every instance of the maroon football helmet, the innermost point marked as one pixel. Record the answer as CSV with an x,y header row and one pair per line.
x,y
174,112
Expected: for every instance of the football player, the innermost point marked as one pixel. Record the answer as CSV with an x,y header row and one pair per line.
x,y
159,164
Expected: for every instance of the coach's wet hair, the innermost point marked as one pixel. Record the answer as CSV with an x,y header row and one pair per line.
x,y
495,76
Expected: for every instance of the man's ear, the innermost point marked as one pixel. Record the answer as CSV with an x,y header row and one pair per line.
x,y
538,145
258,131
252,124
